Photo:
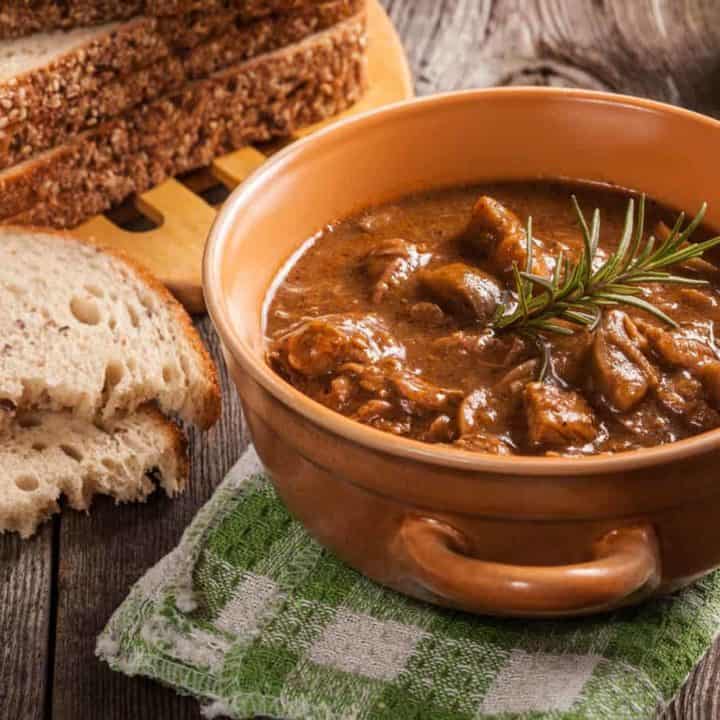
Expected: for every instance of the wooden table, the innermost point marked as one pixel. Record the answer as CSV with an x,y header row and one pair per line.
x,y
58,590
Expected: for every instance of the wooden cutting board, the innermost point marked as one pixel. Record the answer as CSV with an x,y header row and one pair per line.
x,y
173,249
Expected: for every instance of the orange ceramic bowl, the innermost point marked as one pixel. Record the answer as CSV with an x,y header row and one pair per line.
x,y
524,536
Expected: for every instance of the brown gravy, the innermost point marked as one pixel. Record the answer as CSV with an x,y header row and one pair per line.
x,y
384,318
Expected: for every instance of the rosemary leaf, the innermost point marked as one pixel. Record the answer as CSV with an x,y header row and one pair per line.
x,y
543,282
577,295
627,235
671,280
578,317
558,329
637,235
644,253
520,290
638,303
557,269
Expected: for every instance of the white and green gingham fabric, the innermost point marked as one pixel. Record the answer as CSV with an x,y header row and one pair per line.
x,y
253,617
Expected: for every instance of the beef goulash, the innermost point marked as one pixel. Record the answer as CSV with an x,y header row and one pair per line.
x,y
508,319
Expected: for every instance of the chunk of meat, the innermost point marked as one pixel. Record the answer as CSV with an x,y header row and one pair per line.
x,y
481,409
484,442
516,379
621,371
342,390
391,263
491,408
496,233
680,348
570,355
700,299
390,381
389,397
558,417
683,395
467,293
440,430
484,349
383,415
686,350
422,393
427,313
319,346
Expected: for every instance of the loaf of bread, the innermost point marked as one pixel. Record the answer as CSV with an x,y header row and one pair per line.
x,y
84,331
20,17
56,85
46,455
269,96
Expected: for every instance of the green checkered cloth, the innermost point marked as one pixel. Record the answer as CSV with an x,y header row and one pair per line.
x,y
253,617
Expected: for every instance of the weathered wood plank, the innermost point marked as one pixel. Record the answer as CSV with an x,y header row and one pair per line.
x,y
699,698
103,554
25,600
663,49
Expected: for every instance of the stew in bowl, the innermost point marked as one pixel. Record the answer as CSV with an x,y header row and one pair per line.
x,y
442,390
432,317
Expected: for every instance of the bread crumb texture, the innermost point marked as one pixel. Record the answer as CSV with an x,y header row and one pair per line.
x,y
47,455
83,330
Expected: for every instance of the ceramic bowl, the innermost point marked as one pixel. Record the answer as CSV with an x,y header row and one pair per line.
x,y
521,536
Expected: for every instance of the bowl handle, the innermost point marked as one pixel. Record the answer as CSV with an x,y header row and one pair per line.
x,y
625,563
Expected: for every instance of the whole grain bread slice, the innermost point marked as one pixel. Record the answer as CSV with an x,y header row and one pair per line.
x,y
269,96
47,455
19,18
48,71
41,75
45,126
86,331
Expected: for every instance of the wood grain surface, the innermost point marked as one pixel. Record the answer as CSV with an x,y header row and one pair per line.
x,y
58,590
26,588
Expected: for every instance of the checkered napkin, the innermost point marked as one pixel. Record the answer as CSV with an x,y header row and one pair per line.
x,y
253,617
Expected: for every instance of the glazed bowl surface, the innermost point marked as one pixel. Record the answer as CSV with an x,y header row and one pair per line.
x,y
522,536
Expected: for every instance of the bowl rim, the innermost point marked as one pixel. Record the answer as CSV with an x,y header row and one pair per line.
x,y
377,440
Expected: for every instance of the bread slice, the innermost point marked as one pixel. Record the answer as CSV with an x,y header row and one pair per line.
x,y
269,96
52,118
19,18
84,330
46,455
44,73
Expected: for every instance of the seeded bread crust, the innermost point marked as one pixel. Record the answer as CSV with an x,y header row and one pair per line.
x,y
47,455
19,18
202,398
49,127
114,51
267,97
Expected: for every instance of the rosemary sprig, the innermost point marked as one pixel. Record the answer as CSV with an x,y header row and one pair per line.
x,y
577,293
